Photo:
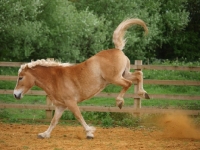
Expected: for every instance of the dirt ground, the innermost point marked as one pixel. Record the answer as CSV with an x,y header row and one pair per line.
x,y
173,133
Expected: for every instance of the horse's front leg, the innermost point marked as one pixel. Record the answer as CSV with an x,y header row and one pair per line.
x,y
58,113
73,107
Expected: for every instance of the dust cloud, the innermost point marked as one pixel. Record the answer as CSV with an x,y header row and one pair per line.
x,y
179,126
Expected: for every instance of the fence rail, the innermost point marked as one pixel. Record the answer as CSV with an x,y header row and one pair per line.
x,y
146,81
103,109
136,108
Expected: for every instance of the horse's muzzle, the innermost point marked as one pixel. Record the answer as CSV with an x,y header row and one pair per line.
x,y
17,96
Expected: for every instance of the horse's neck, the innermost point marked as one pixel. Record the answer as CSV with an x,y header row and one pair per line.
x,y
45,77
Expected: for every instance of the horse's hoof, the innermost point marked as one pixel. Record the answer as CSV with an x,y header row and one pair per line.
x,y
40,137
146,96
120,105
120,102
90,137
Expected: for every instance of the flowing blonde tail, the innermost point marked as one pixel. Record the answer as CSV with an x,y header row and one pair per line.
x,y
118,35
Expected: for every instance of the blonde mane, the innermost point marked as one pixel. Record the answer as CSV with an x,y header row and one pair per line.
x,y
43,62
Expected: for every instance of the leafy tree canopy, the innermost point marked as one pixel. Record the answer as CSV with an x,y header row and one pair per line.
x,y
75,30
165,20
50,29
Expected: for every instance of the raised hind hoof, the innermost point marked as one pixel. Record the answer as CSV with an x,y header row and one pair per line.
x,y
120,105
90,137
146,96
120,102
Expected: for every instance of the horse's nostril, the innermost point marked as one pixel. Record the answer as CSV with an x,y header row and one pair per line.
x,y
17,96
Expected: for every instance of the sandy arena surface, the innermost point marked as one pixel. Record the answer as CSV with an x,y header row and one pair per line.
x,y
173,134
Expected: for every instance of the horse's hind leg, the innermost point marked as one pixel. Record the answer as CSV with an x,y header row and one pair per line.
x,y
72,106
125,84
58,113
137,76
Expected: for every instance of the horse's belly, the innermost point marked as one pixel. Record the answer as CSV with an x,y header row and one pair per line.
x,y
91,91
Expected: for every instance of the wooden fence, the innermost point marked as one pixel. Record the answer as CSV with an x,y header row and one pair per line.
x,y
136,108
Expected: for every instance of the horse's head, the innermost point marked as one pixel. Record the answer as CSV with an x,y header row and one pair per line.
x,y
24,82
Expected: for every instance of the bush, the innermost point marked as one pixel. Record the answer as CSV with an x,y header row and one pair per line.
x,y
45,29
165,21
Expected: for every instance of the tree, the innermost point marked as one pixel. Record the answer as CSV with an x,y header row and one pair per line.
x,y
74,35
185,44
42,29
75,30
165,19
19,29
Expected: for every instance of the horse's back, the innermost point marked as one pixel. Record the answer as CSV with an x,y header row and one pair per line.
x,y
110,62
112,55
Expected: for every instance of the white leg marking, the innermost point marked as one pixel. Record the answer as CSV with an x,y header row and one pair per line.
x,y
58,113
77,113
89,129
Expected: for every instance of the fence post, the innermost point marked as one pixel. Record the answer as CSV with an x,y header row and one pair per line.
x,y
137,101
48,112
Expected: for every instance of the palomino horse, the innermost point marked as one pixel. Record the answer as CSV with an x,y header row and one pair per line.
x,y
67,84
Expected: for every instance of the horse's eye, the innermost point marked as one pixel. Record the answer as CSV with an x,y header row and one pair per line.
x,y
20,78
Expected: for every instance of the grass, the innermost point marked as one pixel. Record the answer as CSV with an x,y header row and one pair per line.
x,y
12,115
109,119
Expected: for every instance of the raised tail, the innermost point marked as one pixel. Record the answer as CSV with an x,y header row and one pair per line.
x,y
118,35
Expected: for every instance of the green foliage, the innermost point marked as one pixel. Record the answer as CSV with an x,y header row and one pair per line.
x,y
15,115
19,29
74,36
75,30
125,119
9,71
172,74
164,20
106,119
68,116
186,43
43,29
4,113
